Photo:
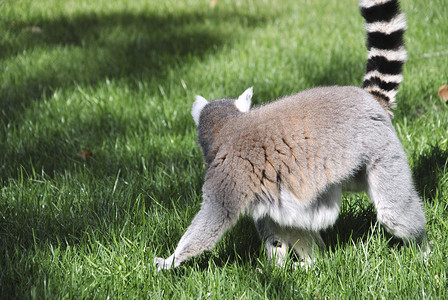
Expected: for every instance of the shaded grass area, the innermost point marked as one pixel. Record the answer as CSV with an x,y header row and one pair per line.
x,y
91,47
70,54
119,79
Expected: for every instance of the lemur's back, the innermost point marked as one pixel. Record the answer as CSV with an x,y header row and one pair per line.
x,y
302,142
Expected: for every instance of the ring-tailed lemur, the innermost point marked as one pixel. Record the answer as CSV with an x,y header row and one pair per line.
x,y
286,163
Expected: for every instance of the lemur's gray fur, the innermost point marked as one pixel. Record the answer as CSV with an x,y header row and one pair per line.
x,y
286,163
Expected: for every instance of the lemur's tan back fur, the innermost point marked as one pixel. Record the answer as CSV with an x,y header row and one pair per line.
x,y
285,143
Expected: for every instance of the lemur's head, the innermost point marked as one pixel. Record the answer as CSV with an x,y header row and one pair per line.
x,y
221,106
211,116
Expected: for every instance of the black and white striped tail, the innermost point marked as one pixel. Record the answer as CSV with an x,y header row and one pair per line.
x,y
385,26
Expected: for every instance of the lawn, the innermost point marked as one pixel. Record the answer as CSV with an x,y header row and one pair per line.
x,y
117,79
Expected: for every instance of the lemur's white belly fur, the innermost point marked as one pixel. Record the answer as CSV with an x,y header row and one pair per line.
x,y
290,211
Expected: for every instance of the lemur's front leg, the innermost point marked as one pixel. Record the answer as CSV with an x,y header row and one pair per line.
x,y
207,227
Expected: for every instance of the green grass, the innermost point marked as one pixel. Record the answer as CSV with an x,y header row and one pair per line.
x,y
119,78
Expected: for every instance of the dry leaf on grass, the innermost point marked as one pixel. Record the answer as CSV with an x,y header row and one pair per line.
x,y
85,154
443,93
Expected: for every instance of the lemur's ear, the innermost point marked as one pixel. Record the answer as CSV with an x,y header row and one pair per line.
x,y
198,105
243,101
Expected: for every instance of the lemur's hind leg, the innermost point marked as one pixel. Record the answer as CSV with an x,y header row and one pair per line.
x,y
391,189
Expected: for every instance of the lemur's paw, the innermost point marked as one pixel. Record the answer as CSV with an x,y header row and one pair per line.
x,y
162,264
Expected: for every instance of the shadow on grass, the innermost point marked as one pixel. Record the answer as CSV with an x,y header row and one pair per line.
x,y
84,49
430,167
97,47
353,224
